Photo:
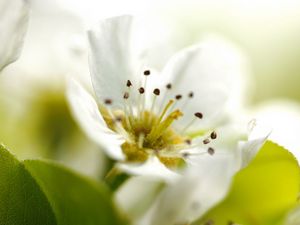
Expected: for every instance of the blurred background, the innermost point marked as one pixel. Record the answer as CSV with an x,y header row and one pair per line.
x,y
34,115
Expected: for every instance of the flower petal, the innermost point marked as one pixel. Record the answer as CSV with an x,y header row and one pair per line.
x,y
248,149
152,167
200,188
13,25
110,57
136,195
284,118
211,72
86,112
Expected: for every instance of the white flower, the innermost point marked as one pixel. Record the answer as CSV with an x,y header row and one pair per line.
x,y
202,185
153,122
13,25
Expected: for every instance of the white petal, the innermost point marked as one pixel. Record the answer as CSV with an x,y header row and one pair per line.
x,y
13,25
110,57
211,71
86,112
248,149
137,194
152,168
200,188
284,118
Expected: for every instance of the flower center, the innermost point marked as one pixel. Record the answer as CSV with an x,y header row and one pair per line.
x,y
149,130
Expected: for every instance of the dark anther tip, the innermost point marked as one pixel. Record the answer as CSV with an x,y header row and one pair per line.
x,y
128,84
213,135
147,72
142,90
107,101
156,91
211,151
199,115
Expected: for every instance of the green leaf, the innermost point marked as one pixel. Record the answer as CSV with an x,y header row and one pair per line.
x,y
21,199
263,192
38,192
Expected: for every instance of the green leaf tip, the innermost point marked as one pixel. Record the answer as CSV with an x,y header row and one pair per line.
x,y
37,192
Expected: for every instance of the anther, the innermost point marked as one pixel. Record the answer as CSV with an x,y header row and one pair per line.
x,y
142,90
213,135
126,95
188,141
178,97
206,141
107,101
156,91
185,155
169,86
147,72
118,119
211,151
128,84
199,115
191,94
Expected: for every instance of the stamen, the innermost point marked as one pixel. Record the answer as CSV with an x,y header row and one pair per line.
x,y
126,95
130,113
188,141
164,111
128,84
211,151
127,118
188,154
141,140
168,86
156,91
118,122
147,72
141,90
198,115
120,129
178,97
107,101
190,96
185,155
206,141
213,135
119,119
157,131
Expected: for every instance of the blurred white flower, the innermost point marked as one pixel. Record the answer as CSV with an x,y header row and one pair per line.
x,y
13,25
32,98
153,122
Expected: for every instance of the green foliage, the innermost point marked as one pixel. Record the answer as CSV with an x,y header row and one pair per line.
x,y
263,192
37,192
